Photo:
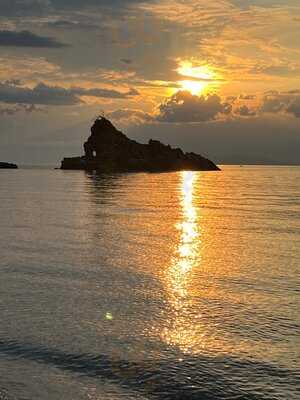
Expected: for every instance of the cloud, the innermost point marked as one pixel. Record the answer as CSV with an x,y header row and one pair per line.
x,y
40,94
285,103
185,107
27,39
105,93
292,70
14,8
27,68
44,94
294,107
247,96
79,4
188,108
16,109
272,103
246,4
70,25
128,116
245,111
126,61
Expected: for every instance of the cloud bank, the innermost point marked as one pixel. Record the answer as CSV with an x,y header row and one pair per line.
x,y
28,39
188,108
185,107
11,92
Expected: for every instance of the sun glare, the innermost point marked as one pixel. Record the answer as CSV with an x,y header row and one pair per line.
x,y
187,69
194,87
187,256
202,77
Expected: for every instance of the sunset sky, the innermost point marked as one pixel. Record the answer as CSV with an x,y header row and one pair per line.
x,y
221,78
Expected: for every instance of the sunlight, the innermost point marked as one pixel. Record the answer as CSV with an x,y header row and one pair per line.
x,y
186,257
194,87
187,69
202,77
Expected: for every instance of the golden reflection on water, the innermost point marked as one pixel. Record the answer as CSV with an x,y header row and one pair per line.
x,y
187,255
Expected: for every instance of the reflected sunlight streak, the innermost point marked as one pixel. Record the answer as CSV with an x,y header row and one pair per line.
x,y
178,275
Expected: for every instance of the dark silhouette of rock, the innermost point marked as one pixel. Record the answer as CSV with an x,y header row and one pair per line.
x,y
8,165
109,150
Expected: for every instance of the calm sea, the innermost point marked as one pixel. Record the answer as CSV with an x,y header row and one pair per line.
x,y
177,286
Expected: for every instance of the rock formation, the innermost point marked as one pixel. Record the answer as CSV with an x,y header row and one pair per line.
x,y
109,150
8,165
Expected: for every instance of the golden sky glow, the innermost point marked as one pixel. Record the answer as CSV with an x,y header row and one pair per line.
x,y
187,69
194,87
62,61
203,77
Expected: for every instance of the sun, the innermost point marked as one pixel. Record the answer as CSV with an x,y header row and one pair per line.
x,y
203,72
201,77
194,87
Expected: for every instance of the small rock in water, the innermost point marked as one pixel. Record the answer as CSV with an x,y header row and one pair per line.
x,y
8,165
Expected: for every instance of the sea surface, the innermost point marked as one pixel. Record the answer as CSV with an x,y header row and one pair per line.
x,y
172,286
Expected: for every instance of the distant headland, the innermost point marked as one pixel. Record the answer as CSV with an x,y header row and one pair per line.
x,y
8,165
109,150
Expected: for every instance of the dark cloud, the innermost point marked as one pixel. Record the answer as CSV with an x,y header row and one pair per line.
x,y
245,111
185,107
40,94
15,82
272,103
15,8
294,92
294,107
19,8
27,39
126,61
105,93
70,25
231,99
55,95
287,102
247,96
80,4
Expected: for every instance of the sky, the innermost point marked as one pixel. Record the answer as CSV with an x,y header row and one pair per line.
x,y
220,78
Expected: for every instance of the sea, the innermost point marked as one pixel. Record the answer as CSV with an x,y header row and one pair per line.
x,y
170,286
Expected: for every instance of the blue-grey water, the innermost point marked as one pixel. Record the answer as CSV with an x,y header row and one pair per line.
x,y
150,286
